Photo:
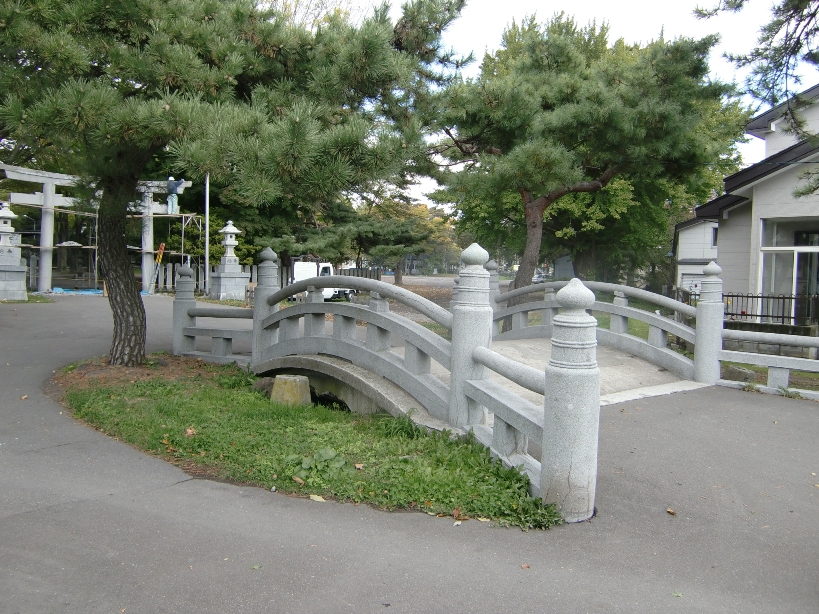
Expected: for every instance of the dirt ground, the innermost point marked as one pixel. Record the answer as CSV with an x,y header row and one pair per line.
x,y
97,371
436,294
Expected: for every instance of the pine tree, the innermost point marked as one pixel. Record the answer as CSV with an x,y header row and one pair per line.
x,y
285,118
557,112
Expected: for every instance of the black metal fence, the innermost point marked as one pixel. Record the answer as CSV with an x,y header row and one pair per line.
x,y
798,309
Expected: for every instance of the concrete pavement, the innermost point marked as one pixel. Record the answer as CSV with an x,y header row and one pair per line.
x,y
88,524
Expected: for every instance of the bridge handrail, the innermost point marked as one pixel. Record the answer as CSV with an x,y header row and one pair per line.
x,y
523,375
599,286
221,312
425,306
428,342
773,338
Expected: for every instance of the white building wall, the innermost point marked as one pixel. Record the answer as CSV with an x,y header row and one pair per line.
x,y
734,245
695,242
778,139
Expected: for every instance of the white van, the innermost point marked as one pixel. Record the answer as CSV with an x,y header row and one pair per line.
x,y
306,270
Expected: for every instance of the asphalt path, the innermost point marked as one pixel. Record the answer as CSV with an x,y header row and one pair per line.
x,y
89,524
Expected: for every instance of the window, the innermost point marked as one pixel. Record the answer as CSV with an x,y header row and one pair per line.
x,y
714,235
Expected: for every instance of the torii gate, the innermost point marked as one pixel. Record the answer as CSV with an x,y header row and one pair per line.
x,y
48,200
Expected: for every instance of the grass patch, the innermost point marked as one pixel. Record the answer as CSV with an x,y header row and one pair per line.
x,y
438,329
228,302
33,298
212,423
804,380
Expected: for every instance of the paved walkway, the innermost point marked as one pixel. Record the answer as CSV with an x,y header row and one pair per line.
x,y
88,524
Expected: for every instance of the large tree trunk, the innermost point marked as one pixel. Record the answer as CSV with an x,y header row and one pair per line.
x,y
585,263
533,210
399,270
128,344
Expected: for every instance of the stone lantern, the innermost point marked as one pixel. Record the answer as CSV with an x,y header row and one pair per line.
x,y
12,271
228,281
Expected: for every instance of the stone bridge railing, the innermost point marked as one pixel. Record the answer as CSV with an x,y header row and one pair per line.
x,y
512,321
556,443
561,463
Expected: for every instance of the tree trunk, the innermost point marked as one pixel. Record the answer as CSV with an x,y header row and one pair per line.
x,y
399,270
533,210
584,263
128,344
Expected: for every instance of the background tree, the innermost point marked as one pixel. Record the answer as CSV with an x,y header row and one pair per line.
x,y
557,111
284,118
786,41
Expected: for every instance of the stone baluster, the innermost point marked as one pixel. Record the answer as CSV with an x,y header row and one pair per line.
x,y
507,440
268,284
571,414
471,327
314,323
416,361
619,324
378,339
708,340
494,283
183,301
657,336
548,314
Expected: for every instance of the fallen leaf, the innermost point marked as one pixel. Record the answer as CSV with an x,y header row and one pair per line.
x,y
190,431
298,480
456,513
275,476
670,511
483,519
359,466
24,397
676,594
317,498
525,566
256,567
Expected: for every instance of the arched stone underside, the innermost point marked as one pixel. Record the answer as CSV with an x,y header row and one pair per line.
x,y
361,389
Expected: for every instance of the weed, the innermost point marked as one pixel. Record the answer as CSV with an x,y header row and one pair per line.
x,y
750,387
788,393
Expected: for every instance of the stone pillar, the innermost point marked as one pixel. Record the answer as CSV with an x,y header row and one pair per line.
x,y
619,324
12,271
471,327
267,285
710,314
494,283
571,416
147,240
182,302
46,238
229,280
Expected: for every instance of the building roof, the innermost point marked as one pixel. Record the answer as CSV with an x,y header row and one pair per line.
x,y
763,121
692,222
713,208
769,165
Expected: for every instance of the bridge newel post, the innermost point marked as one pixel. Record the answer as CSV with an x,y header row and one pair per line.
x,y
267,283
471,327
494,291
710,315
182,302
571,410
